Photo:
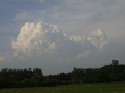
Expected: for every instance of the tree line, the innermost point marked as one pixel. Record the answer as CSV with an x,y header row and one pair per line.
x,y
20,78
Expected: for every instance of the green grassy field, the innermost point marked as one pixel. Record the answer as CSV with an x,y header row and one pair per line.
x,y
85,88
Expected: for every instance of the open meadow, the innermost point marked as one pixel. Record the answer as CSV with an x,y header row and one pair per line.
x,y
84,88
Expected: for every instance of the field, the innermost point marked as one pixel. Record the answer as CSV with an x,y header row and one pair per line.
x,y
84,88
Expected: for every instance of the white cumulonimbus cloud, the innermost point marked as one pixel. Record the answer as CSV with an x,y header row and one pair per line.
x,y
41,38
33,37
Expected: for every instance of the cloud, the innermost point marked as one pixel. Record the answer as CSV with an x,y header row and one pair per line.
x,y
98,39
41,1
22,16
84,54
39,38
2,58
35,37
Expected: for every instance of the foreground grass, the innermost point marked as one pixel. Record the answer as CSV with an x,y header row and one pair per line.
x,y
85,88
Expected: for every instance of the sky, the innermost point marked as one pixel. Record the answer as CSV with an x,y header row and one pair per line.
x,y
58,35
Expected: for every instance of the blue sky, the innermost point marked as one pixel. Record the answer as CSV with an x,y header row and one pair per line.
x,y
58,35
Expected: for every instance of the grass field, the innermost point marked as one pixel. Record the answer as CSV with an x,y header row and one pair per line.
x,y
85,88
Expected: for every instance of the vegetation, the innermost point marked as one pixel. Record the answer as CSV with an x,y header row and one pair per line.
x,y
21,78
84,88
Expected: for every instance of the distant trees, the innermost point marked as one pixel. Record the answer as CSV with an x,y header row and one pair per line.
x,y
115,62
13,78
107,73
19,77
77,75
